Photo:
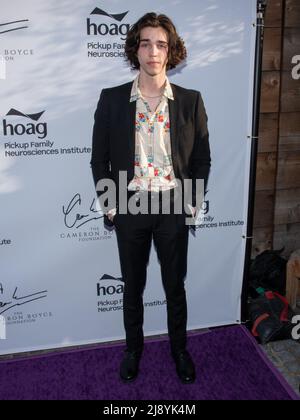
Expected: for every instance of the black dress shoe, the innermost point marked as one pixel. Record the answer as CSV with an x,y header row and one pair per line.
x,y
185,367
129,368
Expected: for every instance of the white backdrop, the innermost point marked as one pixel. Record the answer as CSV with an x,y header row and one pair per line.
x,y
60,281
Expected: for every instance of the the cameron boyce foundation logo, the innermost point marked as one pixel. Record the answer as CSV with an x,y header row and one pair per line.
x,y
83,219
26,135
13,52
109,31
17,305
12,26
13,298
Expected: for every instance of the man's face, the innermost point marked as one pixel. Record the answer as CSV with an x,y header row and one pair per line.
x,y
153,51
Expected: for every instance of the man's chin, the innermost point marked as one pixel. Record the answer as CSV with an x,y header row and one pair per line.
x,y
153,73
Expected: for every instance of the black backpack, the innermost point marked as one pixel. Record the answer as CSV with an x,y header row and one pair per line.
x,y
271,316
269,311
268,270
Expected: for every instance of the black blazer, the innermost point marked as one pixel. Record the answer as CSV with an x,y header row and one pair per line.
x,y
113,145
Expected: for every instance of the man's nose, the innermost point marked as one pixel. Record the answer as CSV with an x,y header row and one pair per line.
x,y
153,49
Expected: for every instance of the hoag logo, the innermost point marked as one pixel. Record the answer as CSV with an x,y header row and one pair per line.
x,y
103,29
110,289
39,129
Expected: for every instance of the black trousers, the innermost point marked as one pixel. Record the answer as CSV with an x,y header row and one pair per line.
x,y
170,235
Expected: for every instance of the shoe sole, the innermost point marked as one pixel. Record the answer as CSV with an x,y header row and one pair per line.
x,y
187,382
128,381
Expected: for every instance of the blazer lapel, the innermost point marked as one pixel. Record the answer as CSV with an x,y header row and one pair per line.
x,y
173,114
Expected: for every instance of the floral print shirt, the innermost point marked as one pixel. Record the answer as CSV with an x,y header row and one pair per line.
x,y
153,161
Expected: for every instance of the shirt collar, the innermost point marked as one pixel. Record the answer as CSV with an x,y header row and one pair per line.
x,y
136,93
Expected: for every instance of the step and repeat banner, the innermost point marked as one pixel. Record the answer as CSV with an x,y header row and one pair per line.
x,y
60,278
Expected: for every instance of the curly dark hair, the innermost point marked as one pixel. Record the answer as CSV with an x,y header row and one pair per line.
x,y
176,49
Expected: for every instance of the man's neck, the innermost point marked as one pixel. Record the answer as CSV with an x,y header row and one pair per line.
x,y
152,85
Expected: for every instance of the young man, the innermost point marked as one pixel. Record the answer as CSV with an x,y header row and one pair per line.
x,y
157,133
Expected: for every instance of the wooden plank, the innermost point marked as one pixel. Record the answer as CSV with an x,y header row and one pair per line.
x,y
292,13
287,207
270,92
291,47
272,49
289,144
274,12
268,133
289,124
264,208
288,175
266,171
287,236
262,240
290,95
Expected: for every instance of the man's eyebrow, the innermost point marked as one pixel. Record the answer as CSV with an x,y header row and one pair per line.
x,y
147,39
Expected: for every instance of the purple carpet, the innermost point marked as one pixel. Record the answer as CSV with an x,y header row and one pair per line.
x,y
229,364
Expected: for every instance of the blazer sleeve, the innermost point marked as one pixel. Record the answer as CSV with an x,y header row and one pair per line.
x,y
201,158
100,159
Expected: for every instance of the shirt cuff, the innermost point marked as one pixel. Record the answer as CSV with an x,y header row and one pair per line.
x,y
192,210
111,212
